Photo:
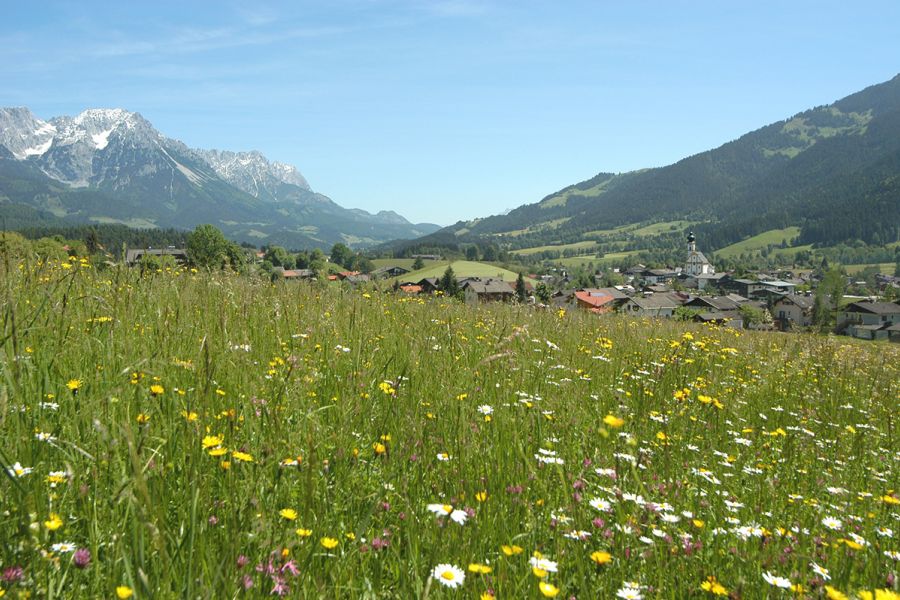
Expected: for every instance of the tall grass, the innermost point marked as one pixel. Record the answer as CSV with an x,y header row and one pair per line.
x,y
187,411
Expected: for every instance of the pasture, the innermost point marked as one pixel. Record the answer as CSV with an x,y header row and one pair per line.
x,y
198,435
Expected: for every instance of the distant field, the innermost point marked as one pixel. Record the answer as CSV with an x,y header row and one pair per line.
x,y
406,263
758,242
663,227
561,247
887,268
539,227
136,223
608,258
461,268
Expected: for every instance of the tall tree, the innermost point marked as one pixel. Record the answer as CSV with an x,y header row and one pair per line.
x,y
341,255
206,247
520,288
448,283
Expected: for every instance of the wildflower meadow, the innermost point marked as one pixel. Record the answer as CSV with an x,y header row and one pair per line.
x,y
184,434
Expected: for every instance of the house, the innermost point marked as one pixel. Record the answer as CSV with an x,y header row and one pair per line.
x,y
894,333
394,271
712,304
429,285
702,281
357,279
294,273
656,288
477,289
598,300
410,288
655,276
793,311
342,275
657,305
134,256
869,320
563,299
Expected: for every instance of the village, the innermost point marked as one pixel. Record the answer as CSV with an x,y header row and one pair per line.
x,y
783,300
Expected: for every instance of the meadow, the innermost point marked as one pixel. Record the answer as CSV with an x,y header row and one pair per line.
x,y
185,434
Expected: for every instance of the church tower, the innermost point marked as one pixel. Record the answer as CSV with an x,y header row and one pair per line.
x,y
696,263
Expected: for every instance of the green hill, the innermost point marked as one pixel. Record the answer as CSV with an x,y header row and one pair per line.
x,y
833,172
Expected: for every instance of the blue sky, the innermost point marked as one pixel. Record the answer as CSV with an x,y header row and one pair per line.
x,y
447,109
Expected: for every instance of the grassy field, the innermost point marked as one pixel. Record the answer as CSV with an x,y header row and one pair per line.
x,y
886,268
608,259
561,247
462,268
406,263
215,436
758,242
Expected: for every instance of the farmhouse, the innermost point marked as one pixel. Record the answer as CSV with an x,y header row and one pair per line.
x,y
393,271
793,311
657,305
869,320
598,300
477,289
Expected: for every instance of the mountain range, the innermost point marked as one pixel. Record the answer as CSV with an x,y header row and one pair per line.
x,y
113,166
833,171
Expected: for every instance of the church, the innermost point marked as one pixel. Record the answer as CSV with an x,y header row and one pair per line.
x,y
696,264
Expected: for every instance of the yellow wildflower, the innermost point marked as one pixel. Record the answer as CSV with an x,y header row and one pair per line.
x,y
54,522
613,421
548,589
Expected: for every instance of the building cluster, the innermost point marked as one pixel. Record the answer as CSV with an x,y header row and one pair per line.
x,y
695,291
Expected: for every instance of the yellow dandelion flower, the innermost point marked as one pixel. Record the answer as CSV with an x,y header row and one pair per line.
x,y
54,522
888,499
328,543
211,441
304,532
123,592
480,569
600,557
712,586
613,421
143,419
242,456
511,549
74,385
548,589
379,448
218,451
157,390
288,513
481,496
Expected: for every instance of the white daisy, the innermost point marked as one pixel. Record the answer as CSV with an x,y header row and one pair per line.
x,y
17,470
820,571
777,581
832,523
449,575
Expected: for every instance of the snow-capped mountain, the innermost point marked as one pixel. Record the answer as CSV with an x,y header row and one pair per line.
x,y
253,173
131,173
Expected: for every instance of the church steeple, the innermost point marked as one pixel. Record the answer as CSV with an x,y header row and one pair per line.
x,y
692,242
